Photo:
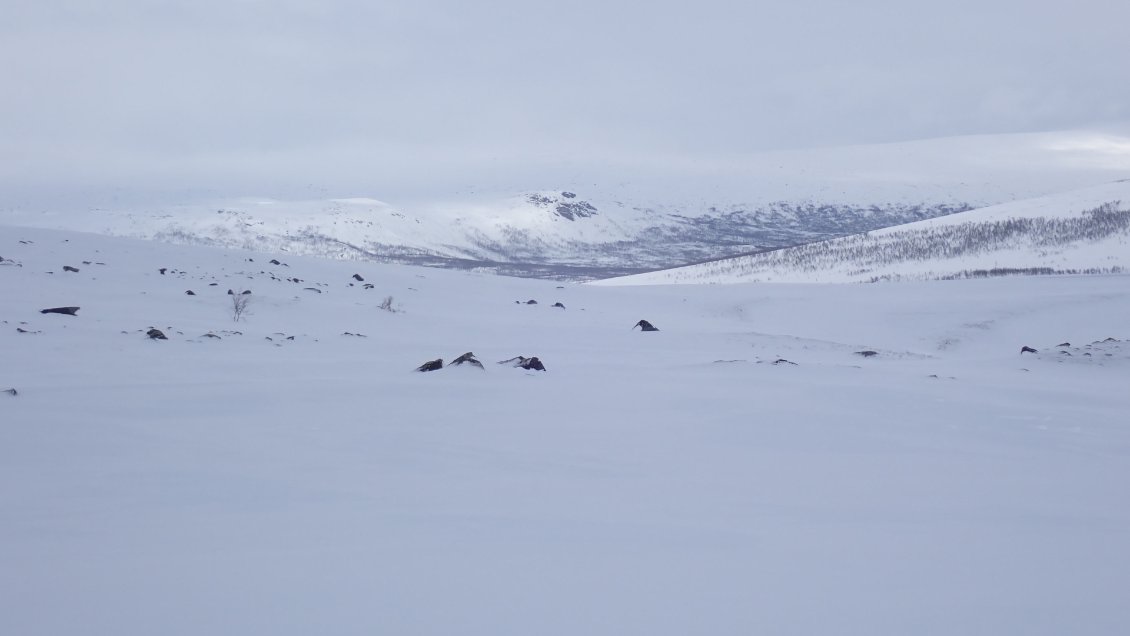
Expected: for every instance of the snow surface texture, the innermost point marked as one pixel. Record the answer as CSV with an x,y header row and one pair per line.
x,y
742,205
685,481
1082,231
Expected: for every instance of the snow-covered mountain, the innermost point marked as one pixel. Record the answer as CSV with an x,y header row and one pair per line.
x,y
1082,231
554,234
882,453
711,211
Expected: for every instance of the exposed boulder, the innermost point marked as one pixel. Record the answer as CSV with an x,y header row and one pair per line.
x,y
467,358
156,334
357,277
867,354
1027,349
531,302
189,293
431,365
68,268
645,326
68,311
557,304
532,364
522,362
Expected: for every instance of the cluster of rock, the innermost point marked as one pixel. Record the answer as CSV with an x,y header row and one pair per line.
x,y
518,362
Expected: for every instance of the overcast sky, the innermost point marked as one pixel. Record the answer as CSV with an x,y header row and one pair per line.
x,y
395,96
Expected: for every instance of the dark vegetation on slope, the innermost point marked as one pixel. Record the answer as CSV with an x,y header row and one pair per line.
x,y
863,252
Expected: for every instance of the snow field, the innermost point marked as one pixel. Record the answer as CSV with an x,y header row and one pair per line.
x,y
661,483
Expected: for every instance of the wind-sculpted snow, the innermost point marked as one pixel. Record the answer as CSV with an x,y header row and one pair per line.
x,y
944,457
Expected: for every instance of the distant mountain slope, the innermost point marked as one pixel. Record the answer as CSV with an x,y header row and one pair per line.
x,y
749,204
540,234
1083,231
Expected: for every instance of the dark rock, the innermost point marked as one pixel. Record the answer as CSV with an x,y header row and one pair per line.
x,y
163,270
11,392
275,261
84,262
231,293
213,284
68,268
559,305
532,364
1064,344
867,354
645,326
190,293
355,335
211,335
357,277
431,365
313,289
156,334
569,195
368,286
531,302
522,362
1026,349
573,210
246,292
69,311
468,358
784,361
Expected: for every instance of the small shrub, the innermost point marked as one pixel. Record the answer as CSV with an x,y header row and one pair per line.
x,y
387,305
239,304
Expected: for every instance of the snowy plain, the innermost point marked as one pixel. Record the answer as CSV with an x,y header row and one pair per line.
x,y
742,470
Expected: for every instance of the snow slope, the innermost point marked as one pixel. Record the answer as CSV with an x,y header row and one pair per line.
x,y
1085,230
676,482
645,218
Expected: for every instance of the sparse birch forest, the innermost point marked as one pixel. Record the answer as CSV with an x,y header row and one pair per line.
x,y
861,254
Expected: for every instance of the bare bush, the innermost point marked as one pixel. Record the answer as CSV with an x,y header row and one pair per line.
x,y
239,304
387,305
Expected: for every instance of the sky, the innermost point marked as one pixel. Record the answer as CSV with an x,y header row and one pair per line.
x,y
380,98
